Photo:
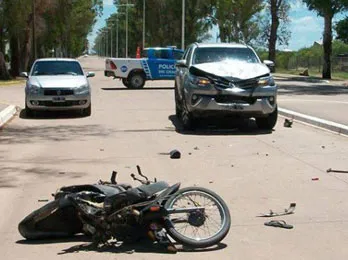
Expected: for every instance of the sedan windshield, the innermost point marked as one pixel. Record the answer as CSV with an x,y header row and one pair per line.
x,y
211,54
57,68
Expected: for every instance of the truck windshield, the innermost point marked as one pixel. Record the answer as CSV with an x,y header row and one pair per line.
x,y
42,68
205,55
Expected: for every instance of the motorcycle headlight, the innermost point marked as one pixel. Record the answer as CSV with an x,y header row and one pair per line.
x,y
199,81
82,90
33,89
266,81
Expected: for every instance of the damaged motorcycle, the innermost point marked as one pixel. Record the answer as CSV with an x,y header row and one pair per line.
x,y
194,217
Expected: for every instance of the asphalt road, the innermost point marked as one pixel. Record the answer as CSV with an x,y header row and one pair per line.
x,y
253,171
319,98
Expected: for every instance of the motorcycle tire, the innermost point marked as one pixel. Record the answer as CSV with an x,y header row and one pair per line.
x,y
198,242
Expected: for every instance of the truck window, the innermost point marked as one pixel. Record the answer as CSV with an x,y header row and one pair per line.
x,y
177,55
144,54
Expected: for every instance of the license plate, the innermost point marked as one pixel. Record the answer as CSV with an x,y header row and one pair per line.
x,y
58,99
235,106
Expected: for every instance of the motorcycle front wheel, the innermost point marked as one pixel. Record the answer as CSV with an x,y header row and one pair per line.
x,y
200,228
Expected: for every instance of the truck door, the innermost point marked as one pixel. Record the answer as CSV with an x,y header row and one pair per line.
x,y
162,64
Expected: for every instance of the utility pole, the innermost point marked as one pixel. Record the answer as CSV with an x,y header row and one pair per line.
x,y
127,30
34,29
183,26
117,38
143,24
111,40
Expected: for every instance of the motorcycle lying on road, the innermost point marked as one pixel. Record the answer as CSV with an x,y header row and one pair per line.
x,y
195,217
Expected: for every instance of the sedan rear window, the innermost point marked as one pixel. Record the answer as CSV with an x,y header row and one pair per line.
x,y
42,68
205,55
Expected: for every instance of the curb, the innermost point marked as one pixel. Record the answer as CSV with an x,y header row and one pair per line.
x,y
315,121
7,114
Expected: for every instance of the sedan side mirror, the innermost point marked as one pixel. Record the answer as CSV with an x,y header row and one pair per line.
x,y
90,74
181,63
24,74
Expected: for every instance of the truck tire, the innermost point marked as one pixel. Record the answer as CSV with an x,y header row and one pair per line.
x,y
267,123
125,82
136,80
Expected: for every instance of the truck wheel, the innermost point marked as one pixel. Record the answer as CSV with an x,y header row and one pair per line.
x,y
178,108
125,82
136,80
267,123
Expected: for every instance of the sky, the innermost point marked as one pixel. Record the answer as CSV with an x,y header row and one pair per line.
x,y
305,26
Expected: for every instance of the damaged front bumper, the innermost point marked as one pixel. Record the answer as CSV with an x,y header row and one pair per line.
x,y
249,102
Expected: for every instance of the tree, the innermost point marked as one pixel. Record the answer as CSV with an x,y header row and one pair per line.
x,y
327,9
342,30
237,19
275,26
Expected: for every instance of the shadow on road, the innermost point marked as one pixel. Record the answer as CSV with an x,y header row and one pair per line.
x,y
220,127
51,115
17,134
312,90
145,246
77,238
138,89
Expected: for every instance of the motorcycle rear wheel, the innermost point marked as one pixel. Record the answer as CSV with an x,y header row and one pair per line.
x,y
207,230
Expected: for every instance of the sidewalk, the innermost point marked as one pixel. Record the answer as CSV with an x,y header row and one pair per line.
x,y
6,113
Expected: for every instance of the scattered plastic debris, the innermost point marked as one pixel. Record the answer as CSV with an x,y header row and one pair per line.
x,y
287,211
288,123
315,179
175,154
337,171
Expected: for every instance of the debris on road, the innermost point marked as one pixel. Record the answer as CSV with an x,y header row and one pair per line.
x,y
304,73
43,200
196,148
102,150
288,211
175,154
315,179
278,223
337,171
61,172
323,146
211,181
288,123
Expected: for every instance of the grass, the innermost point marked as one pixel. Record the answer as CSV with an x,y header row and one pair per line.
x,y
5,83
315,74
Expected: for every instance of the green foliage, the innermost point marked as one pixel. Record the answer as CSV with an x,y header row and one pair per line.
x,y
342,30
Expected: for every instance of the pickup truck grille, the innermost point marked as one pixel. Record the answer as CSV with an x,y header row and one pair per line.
x,y
227,99
245,84
58,92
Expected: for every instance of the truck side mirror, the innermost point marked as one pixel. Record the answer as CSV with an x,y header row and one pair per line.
x,y
181,63
270,64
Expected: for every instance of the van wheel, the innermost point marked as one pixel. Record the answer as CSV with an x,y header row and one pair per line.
x,y
136,80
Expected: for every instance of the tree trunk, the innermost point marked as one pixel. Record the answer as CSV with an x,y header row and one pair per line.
x,y
272,42
25,50
14,46
327,44
4,75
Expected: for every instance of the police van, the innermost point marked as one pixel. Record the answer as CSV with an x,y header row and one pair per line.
x,y
156,64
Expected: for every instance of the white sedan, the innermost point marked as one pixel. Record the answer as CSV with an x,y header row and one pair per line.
x,y
57,84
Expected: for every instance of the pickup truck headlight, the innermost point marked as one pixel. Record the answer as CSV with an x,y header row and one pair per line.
x,y
33,89
199,81
266,81
82,90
